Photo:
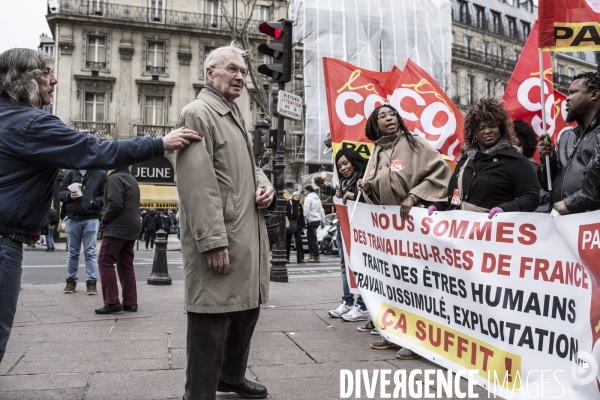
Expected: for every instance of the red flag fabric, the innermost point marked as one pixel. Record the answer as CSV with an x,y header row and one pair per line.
x,y
352,95
522,95
428,111
569,25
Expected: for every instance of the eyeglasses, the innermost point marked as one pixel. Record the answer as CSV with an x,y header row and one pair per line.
x,y
234,70
385,115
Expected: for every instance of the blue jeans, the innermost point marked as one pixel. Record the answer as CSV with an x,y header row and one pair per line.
x,y
79,230
50,239
11,259
347,297
311,234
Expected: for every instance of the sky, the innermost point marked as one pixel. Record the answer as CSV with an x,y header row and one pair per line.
x,y
22,22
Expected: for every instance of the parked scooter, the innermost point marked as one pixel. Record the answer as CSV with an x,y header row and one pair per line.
x,y
328,244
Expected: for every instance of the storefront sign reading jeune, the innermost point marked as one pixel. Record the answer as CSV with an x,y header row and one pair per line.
x,y
157,170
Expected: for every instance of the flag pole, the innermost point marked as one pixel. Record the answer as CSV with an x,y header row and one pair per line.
x,y
543,104
367,169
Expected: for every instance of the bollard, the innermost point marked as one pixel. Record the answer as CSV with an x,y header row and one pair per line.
x,y
160,269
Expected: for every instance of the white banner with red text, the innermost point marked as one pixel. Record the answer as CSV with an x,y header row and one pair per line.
x,y
507,296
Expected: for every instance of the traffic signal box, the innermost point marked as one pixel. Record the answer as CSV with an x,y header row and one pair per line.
x,y
280,48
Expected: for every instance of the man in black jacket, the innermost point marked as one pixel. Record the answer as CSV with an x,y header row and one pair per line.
x,y
151,223
121,228
83,210
570,159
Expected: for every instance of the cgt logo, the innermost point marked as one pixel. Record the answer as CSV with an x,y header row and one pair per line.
x,y
588,246
524,95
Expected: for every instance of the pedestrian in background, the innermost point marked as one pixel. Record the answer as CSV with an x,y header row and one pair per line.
x,y
120,230
165,223
295,215
142,229
34,145
83,210
315,216
52,221
150,224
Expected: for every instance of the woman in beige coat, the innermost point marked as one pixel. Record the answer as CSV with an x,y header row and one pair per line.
x,y
404,170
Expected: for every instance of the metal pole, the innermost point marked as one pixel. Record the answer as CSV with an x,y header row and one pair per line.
x,y
279,271
542,102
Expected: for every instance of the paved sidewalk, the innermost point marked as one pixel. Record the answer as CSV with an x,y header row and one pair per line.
x,y
60,349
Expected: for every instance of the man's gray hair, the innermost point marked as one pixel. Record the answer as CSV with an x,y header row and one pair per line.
x,y
216,56
20,70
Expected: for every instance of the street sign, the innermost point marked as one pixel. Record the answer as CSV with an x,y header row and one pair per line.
x,y
289,105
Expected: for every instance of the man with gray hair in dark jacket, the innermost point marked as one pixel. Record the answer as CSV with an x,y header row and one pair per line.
x,y
120,229
34,144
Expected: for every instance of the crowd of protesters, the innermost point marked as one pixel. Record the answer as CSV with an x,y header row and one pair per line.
x,y
495,173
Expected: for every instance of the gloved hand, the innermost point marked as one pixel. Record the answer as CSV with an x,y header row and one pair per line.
x,y
431,209
494,211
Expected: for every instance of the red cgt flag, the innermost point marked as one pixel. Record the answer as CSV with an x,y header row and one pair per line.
x,y
428,111
352,95
522,95
569,25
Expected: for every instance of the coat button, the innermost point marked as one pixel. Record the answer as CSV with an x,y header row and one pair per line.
x,y
495,160
387,165
379,167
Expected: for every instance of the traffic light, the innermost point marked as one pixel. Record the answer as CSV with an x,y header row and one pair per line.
x,y
280,48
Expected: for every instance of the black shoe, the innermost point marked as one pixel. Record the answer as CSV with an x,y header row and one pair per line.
x,y
48,250
247,389
301,262
110,308
132,308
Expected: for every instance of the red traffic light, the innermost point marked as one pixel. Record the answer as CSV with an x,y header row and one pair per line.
x,y
273,29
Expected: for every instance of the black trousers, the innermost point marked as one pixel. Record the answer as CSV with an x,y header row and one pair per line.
x,y
288,245
217,349
150,236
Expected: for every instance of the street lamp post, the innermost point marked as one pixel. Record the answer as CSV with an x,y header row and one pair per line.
x,y
279,271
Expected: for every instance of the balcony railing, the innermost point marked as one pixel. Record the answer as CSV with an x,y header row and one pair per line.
x,y
482,58
101,9
464,16
102,130
152,130
95,65
562,80
155,70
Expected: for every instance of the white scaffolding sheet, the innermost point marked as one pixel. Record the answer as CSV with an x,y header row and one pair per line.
x,y
372,34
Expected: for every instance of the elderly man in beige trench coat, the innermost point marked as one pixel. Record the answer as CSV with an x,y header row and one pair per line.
x,y
223,234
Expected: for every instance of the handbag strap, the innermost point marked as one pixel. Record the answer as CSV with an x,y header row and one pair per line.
x,y
460,177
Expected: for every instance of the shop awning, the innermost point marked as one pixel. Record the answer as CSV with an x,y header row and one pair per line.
x,y
159,197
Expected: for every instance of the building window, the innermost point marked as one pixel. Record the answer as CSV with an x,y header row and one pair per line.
x,y
488,87
264,13
517,55
463,11
512,28
479,17
212,13
495,22
581,55
97,7
526,30
154,112
468,41
471,89
156,10
501,52
454,87
504,85
94,107
571,72
96,52
486,49
48,49
155,57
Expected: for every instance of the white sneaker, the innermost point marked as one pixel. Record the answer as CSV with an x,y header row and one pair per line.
x,y
356,314
343,308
